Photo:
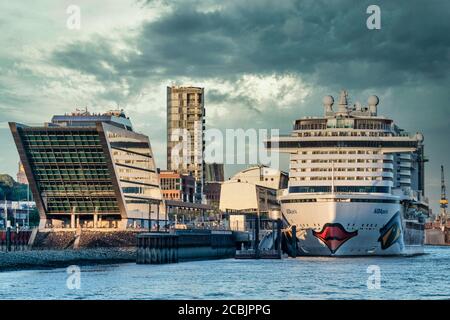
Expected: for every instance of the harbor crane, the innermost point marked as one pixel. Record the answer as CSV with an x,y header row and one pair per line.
x,y
443,201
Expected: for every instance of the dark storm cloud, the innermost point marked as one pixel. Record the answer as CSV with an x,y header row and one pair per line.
x,y
325,40
214,96
87,57
326,43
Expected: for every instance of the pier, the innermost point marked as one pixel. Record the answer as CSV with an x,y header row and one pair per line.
x,y
157,248
266,242
184,245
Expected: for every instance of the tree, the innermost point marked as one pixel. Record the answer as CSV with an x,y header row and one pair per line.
x,y
12,190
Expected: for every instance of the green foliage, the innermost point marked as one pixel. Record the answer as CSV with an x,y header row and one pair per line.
x,y
12,190
34,217
6,180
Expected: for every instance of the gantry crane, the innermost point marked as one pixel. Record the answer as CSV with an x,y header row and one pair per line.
x,y
443,202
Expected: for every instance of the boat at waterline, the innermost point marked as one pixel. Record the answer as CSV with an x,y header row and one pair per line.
x,y
356,183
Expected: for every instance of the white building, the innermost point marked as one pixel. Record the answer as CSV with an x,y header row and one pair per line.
x,y
253,190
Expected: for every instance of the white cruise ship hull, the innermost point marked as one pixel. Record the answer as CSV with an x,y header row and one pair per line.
x,y
330,227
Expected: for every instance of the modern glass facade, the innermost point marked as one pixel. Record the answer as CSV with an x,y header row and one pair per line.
x,y
89,174
135,170
70,170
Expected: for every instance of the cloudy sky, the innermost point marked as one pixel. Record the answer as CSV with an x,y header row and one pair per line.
x,y
262,63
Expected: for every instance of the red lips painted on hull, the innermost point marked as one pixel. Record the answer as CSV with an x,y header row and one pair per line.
x,y
334,235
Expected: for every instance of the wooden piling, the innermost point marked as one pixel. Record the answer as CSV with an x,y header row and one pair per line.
x,y
185,245
278,243
294,241
157,248
256,235
8,238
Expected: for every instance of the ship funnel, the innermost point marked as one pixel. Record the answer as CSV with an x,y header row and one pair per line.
x,y
373,103
343,103
328,102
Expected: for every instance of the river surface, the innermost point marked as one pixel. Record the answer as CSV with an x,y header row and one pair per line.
x,y
420,277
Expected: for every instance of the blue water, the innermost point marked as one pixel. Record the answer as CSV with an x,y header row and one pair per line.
x,y
419,277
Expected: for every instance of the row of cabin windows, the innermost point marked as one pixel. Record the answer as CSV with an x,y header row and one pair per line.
x,y
341,152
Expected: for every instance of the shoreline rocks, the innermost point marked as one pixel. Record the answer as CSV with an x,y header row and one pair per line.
x,y
36,259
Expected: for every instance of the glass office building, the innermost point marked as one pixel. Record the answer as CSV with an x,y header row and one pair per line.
x,y
90,171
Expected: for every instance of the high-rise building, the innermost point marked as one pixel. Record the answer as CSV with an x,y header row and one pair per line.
x,y
185,138
90,171
214,172
21,176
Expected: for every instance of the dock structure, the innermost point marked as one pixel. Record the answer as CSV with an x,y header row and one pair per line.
x,y
267,248
157,248
184,245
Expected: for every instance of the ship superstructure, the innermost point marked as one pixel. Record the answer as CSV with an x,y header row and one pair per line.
x,y
356,182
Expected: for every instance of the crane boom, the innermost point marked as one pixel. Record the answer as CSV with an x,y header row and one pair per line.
x,y
443,202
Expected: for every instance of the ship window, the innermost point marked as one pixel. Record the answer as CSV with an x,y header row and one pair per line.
x,y
346,189
309,189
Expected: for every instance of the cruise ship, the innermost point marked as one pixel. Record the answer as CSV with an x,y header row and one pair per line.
x,y
356,182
